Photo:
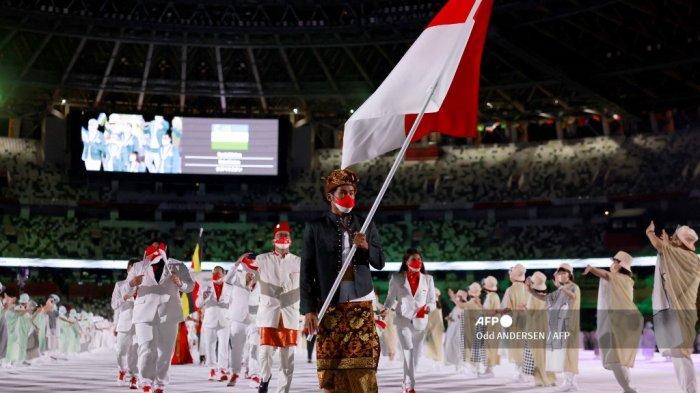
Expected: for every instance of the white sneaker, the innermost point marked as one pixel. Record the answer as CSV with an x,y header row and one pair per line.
x,y
520,378
567,387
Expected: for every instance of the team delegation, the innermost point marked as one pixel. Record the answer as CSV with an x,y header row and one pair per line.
x,y
265,305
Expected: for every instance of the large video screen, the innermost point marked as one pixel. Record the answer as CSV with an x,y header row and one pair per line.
x,y
134,143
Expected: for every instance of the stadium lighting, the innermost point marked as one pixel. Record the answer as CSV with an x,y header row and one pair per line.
x,y
607,213
352,111
63,101
490,105
617,117
295,111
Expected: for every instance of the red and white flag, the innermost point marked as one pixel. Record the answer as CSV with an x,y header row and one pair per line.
x,y
448,52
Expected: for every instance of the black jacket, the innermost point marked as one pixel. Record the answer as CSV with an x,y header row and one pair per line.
x,y
321,259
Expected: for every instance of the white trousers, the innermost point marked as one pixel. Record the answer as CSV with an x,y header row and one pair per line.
x,y
284,381
127,352
193,343
238,332
156,342
411,341
250,357
217,358
685,373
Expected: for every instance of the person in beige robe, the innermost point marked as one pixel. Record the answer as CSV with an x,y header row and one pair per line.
x,y
454,334
619,321
573,292
390,336
435,333
674,297
513,303
492,305
537,323
564,305
472,310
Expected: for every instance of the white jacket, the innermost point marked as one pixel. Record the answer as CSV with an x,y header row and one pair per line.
x,y
123,309
215,311
278,279
241,296
160,298
406,304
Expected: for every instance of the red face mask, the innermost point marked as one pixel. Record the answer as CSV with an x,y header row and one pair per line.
x,y
153,250
345,204
283,242
216,276
415,264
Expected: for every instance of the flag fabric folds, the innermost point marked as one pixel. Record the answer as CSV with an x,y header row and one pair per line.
x,y
188,299
447,55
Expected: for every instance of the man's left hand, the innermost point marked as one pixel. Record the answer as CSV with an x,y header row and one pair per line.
x,y
360,240
176,280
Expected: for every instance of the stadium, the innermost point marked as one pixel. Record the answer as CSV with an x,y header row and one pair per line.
x,y
478,137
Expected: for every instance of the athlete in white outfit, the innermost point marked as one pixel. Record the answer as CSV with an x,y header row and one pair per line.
x,y
215,300
412,295
277,273
243,289
127,347
157,312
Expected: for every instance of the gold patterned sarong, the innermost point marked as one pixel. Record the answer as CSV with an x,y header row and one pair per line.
x,y
347,349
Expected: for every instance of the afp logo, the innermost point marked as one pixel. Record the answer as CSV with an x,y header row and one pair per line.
x,y
504,320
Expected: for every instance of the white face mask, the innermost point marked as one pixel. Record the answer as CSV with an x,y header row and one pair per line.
x,y
347,200
342,209
282,243
283,246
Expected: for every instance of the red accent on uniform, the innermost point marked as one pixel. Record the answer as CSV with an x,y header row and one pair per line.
x,y
413,280
457,116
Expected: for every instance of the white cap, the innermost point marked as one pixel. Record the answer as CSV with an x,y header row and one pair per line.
x,y
490,283
567,267
624,259
539,281
687,236
517,272
23,299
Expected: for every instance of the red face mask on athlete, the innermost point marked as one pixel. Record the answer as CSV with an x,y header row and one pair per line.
x,y
282,243
153,250
415,264
216,276
344,204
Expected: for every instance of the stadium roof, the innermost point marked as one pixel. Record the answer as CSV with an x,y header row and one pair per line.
x,y
544,57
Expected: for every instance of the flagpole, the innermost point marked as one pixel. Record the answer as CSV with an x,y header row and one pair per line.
x,y
394,167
